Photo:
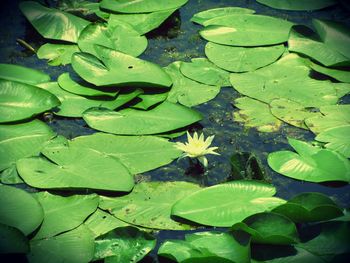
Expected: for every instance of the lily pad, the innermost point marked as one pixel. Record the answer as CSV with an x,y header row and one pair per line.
x,y
19,209
337,139
52,23
12,240
226,204
186,91
76,246
22,140
298,5
246,30
140,6
310,163
138,153
149,204
241,59
257,114
57,54
340,75
116,68
10,176
204,71
75,168
121,37
22,74
203,16
150,100
19,101
310,207
165,117
75,209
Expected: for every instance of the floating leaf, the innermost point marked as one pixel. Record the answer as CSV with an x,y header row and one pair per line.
x,y
19,209
186,91
121,37
20,101
208,247
340,75
337,139
127,244
150,100
241,59
254,113
203,16
12,240
298,5
116,68
76,246
138,153
203,71
22,74
140,6
75,209
57,54
53,23
227,204
165,117
246,30
10,176
75,168
310,207
149,204
310,163
22,140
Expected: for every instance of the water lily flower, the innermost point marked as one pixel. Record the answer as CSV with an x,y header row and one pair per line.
x,y
197,147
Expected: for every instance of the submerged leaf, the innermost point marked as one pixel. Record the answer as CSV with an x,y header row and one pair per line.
x,y
22,74
57,54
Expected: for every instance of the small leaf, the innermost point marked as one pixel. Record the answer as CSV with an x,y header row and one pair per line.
x,y
57,54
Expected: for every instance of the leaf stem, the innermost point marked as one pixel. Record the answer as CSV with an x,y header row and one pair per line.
x,y
25,45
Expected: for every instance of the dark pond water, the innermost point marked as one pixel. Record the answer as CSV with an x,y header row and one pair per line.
x,y
178,39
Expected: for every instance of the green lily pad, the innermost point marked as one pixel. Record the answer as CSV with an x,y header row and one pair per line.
x,y
116,68
337,139
22,140
127,244
298,5
57,54
19,101
310,207
226,204
203,16
138,153
75,168
340,75
269,228
310,163
52,23
208,247
257,114
121,37
149,204
140,6
75,209
165,117
76,246
10,176
12,240
180,92
141,22
241,59
22,74
19,209
246,30
149,100
332,116
204,71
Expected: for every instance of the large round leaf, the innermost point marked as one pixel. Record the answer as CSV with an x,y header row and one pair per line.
x,y
149,204
165,117
19,209
22,74
52,23
310,163
116,68
22,140
226,204
138,153
121,37
140,6
20,101
246,30
241,59
74,168
57,54
298,5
